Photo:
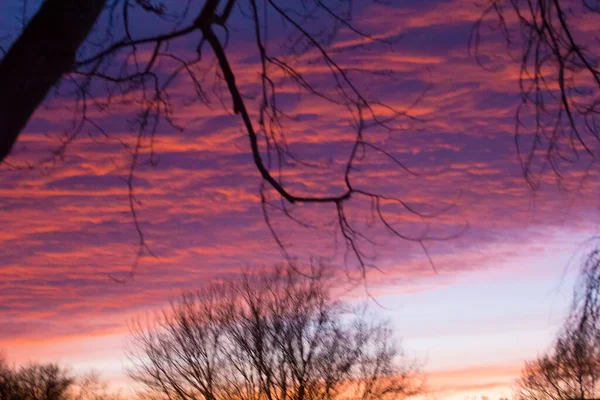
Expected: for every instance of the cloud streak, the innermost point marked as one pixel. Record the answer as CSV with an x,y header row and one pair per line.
x,y
69,229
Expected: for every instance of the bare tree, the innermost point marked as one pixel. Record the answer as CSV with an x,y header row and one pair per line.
x,y
49,381
44,381
268,336
557,122
90,387
571,369
7,382
120,64
34,382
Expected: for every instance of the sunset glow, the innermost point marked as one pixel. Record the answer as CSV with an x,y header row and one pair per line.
x,y
500,278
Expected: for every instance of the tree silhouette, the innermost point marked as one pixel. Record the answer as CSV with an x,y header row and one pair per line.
x,y
120,65
35,382
571,369
49,381
268,336
38,59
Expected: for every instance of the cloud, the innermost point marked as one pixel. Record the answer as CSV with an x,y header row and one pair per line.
x,y
68,228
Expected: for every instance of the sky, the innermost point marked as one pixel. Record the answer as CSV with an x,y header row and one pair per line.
x,y
494,296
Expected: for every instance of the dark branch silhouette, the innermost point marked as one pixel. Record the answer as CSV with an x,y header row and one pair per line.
x,y
118,66
557,121
44,52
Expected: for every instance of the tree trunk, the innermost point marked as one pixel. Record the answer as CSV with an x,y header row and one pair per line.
x,y
41,55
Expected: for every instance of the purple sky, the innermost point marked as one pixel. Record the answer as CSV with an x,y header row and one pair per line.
x,y
500,289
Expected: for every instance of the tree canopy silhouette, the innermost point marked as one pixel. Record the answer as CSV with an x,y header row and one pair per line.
x,y
571,368
49,381
275,336
35,381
